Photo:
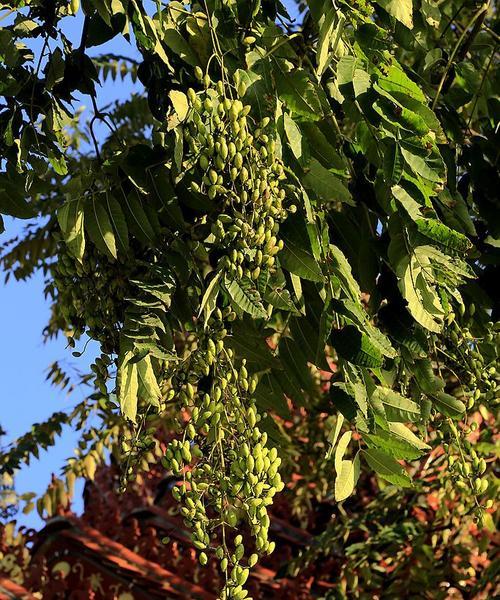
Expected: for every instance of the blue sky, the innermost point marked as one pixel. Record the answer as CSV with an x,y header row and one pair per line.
x,y
26,396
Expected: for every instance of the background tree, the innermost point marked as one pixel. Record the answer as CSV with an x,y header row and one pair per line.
x,y
286,248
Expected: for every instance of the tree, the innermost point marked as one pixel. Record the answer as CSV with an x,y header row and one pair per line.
x,y
295,223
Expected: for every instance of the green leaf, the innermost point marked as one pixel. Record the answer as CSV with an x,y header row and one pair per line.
x,y
137,219
180,103
58,162
248,342
419,166
356,347
99,227
119,222
209,299
71,222
104,10
397,81
402,10
305,333
245,296
345,69
441,233
347,397
334,434
162,291
174,40
412,290
298,92
178,148
393,163
12,202
296,255
343,401
411,207
295,366
397,408
342,269
341,449
156,351
327,28
402,432
387,467
347,478
431,12
148,389
452,266
324,328
400,442
128,386
269,396
280,298
299,261
361,82
397,115
320,145
325,184
424,374
294,136
448,405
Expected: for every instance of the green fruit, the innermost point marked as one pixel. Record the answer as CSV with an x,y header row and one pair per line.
x,y
198,73
252,560
238,160
204,162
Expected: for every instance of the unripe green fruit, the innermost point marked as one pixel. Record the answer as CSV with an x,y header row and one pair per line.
x,y
198,73
238,160
252,560
239,551
212,175
204,162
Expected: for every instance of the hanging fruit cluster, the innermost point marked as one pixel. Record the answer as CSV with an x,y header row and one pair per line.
x,y
230,472
477,362
91,295
241,172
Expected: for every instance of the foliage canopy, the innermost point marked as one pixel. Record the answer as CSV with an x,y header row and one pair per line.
x,y
286,247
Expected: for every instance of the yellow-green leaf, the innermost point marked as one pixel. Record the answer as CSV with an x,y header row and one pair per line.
x,y
347,478
180,103
128,386
402,10
71,222
99,227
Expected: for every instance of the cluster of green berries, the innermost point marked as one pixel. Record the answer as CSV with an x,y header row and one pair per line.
x,y
100,367
90,296
238,168
230,473
139,450
478,360
466,474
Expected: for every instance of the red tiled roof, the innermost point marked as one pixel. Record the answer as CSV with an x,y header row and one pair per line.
x,y
10,590
72,533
